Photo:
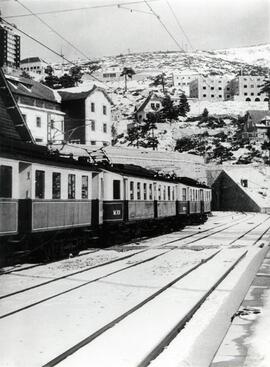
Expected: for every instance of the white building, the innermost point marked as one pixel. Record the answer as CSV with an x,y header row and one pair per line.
x,y
246,88
183,79
34,65
88,115
210,88
41,109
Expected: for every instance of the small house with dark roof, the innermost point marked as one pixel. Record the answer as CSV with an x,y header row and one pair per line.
x,y
88,117
256,125
152,103
41,109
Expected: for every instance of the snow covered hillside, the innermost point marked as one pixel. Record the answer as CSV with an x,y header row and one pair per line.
x,y
255,55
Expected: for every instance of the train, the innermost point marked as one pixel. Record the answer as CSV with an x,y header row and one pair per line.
x,y
53,205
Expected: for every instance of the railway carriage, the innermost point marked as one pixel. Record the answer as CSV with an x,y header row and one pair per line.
x,y
52,205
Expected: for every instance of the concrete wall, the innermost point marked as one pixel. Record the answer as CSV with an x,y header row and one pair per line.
x,y
227,195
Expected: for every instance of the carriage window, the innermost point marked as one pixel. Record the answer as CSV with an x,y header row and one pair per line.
x,y
164,192
184,194
138,191
150,192
71,186
173,193
40,184
5,181
116,189
131,190
84,187
56,185
169,193
159,192
144,191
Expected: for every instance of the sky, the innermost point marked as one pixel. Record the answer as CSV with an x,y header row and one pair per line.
x,y
209,24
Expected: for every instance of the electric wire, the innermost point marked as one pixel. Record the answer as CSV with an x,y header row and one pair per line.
x,y
81,8
52,29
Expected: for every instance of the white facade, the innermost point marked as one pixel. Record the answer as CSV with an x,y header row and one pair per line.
x,y
45,125
210,88
34,65
183,81
98,116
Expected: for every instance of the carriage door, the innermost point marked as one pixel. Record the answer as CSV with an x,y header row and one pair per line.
x,y
97,198
25,195
125,199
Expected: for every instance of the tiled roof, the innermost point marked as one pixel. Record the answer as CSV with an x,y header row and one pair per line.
x,y
12,124
31,88
77,93
257,115
31,59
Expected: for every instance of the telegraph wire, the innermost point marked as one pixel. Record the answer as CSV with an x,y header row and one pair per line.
x,y
52,29
82,8
179,25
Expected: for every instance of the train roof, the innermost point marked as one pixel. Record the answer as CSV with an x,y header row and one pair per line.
x,y
40,154
138,171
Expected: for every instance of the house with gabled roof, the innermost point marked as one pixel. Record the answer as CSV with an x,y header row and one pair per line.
x,y
13,126
152,103
40,107
256,126
88,117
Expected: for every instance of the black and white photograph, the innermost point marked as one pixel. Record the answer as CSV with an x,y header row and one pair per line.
x,y
134,183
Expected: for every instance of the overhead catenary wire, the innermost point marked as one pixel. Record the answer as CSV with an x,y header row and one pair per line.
x,y
81,8
163,25
179,25
52,29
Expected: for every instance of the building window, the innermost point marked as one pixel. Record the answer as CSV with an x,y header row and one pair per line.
x,y
104,110
71,186
5,181
220,96
24,117
228,96
116,189
251,85
38,121
93,125
138,191
203,87
212,88
252,94
144,191
105,128
40,184
159,192
219,88
131,190
56,185
84,187
150,191
244,182
169,193
153,106
245,94
212,95
184,194
245,86
204,95
92,107
39,140
93,142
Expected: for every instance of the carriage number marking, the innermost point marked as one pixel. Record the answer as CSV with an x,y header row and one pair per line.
x,y
116,212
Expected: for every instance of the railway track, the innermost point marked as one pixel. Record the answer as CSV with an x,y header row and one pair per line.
x,y
200,235
19,268
105,280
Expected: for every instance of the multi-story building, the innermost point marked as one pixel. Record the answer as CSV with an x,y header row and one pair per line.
x,y
88,115
209,88
41,109
182,80
246,88
10,47
34,65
